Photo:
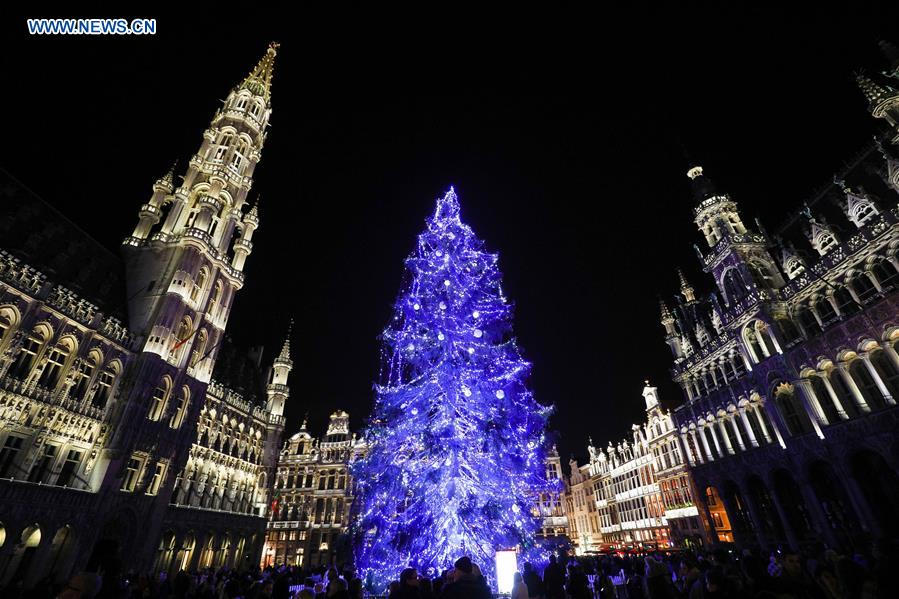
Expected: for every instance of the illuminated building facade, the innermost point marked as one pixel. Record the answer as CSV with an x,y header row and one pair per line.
x,y
550,506
583,519
313,494
115,437
789,368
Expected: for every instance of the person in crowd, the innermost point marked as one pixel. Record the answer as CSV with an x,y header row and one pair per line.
x,y
519,589
554,579
408,585
533,582
466,584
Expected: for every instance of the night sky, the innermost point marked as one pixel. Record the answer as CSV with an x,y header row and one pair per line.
x,y
564,136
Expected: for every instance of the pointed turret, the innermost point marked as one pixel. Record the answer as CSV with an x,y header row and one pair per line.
x,y
685,288
277,389
716,214
820,234
259,81
857,205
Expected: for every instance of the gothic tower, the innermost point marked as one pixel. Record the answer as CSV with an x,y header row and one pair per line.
x,y
738,258
184,264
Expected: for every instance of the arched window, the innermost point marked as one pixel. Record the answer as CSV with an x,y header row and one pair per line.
x,y
224,143
256,109
884,272
242,102
887,371
842,392
791,410
824,399
160,399
31,347
240,155
216,299
85,375
180,408
825,310
807,320
788,330
846,304
7,321
866,384
734,286
104,385
199,284
57,360
862,285
180,340
199,349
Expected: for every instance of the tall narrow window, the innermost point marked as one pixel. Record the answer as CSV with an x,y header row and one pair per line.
x,y
199,284
156,482
27,354
56,360
69,468
132,471
180,408
160,398
8,455
180,341
44,464
83,378
104,384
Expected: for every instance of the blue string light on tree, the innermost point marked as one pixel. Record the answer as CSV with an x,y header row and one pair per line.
x,y
456,439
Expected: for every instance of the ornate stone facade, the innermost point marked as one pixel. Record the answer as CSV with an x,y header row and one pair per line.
x,y
313,493
789,369
639,492
114,436
550,506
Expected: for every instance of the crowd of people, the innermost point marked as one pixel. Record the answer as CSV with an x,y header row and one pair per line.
x,y
723,573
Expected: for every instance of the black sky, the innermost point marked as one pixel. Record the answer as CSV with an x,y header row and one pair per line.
x,y
563,135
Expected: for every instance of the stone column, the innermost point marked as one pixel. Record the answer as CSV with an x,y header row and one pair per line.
x,y
777,434
733,423
853,388
891,353
705,445
841,412
866,358
711,430
687,451
727,444
812,407
811,400
748,427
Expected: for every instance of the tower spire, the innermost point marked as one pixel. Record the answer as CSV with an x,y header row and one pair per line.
x,y
285,349
685,288
259,81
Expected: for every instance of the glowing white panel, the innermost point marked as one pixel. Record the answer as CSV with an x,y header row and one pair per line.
x,y
506,567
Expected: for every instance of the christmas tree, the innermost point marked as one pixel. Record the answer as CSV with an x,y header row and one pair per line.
x,y
456,439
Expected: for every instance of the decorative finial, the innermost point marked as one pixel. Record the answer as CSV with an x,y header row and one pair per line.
x,y
695,171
